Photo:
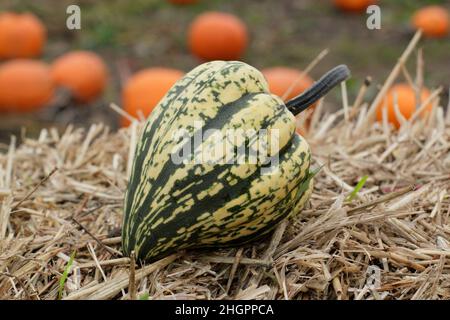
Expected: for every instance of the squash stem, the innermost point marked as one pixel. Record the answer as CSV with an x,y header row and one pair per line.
x,y
320,88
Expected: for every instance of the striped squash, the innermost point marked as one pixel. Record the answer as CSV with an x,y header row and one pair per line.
x,y
170,206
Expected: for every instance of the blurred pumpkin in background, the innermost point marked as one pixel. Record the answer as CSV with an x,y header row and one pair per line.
x,y
353,5
217,36
82,72
286,81
405,96
25,85
21,35
434,21
146,88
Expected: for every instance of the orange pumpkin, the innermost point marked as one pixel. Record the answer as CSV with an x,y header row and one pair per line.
x,y
280,80
146,88
183,1
406,99
84,73
433,20
353,5
21,35
300,131
217,36
25,85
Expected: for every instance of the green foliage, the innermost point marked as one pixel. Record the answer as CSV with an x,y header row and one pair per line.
x,y
65,274
145,296
358,187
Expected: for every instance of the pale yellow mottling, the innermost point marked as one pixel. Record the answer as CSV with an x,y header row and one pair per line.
x,y
203,216
157,223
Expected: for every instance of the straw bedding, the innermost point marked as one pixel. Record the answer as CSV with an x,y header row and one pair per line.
x,y
62,194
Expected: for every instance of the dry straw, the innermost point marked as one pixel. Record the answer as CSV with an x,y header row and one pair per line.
x,y
62,193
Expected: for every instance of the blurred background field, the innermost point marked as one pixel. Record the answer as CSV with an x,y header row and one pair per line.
x,y
132,35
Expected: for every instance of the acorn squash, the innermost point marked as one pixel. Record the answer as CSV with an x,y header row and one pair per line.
x,y
171,205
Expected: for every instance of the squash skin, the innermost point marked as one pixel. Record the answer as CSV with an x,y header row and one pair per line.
x,y
170,207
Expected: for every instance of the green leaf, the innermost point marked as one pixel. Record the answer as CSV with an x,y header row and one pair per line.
x,y
305,183
358,187
315,171
145,296
65,274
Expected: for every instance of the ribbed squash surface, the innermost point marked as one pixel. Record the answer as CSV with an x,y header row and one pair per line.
x,y
171,206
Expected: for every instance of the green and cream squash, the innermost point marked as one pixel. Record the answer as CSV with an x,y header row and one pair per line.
x,y
171,206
